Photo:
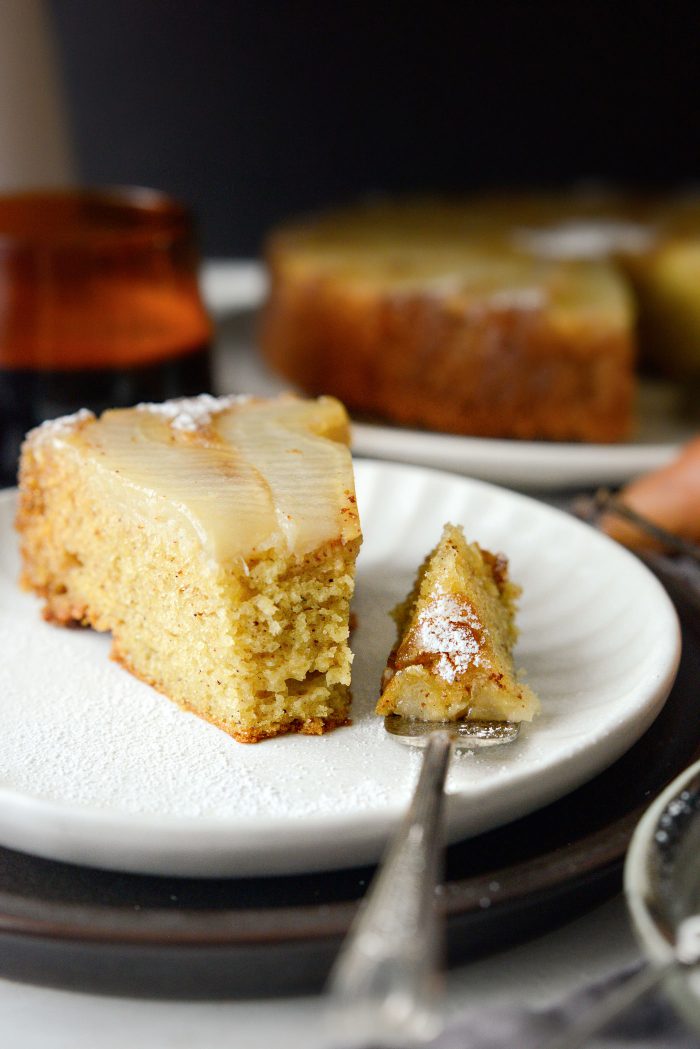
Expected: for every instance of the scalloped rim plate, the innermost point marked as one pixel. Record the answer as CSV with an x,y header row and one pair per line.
x,y
96,768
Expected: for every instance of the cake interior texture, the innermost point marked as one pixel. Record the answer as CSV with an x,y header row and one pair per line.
x,y
216,540
453,657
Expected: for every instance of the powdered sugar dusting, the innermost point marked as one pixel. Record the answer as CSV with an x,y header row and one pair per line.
x,y
61,426
584,239
451,630
515,298
519,299
192,413
183,413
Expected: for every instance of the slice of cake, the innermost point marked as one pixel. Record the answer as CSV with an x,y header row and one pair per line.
x,y
456,631
216,539
430,314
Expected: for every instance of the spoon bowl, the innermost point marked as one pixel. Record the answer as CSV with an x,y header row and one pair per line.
x,y
662,883
465,734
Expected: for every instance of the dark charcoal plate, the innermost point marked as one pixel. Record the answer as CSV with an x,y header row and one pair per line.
x,y
164,937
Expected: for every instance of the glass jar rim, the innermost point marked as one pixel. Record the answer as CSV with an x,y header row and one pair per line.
x,y
86,217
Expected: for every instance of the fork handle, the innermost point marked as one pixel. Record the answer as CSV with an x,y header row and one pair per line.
x,y
384,985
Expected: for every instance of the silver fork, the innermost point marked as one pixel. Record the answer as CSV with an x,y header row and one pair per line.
x,y
385,985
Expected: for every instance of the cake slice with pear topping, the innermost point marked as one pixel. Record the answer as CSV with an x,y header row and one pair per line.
x,y
216,539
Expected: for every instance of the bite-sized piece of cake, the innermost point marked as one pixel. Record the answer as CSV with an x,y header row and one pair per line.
x,y
216,539
414,313
456,631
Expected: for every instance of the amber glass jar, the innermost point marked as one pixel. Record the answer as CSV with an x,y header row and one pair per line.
x,y
99,306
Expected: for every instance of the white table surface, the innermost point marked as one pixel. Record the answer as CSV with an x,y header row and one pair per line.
x,y
536,974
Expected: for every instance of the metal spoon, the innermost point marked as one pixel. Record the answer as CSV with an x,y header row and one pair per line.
x,y
384,986
686,956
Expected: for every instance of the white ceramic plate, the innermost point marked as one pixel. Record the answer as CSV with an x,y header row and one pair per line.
x,y
97,768
231,285
662,424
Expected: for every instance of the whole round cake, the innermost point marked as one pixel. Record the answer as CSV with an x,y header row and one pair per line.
x,y
515,316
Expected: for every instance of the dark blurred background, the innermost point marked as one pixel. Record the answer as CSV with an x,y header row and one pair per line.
x,y
254,111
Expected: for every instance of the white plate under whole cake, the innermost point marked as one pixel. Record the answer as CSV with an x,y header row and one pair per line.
x,y
97,768
662,420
